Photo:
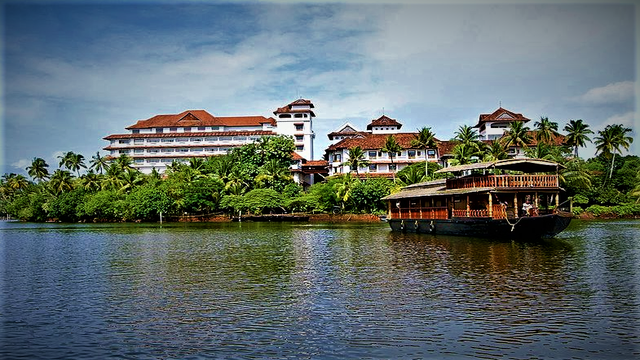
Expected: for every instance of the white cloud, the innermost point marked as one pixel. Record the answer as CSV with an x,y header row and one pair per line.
x,y
21,164
614,93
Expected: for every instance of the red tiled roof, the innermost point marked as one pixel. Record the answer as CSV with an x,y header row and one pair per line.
x,y
190,134
296,156
288,108
374,141
446,147
316,163
501,115
556,141
199,118
384,121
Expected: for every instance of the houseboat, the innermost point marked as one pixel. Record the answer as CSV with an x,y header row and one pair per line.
x,y
513,198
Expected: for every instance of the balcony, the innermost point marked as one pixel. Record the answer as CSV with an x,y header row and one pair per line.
x,y
505,181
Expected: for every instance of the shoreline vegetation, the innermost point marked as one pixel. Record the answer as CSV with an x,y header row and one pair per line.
x,y
255,179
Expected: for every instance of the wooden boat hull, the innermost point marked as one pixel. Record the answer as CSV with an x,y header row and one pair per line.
x,y
536,227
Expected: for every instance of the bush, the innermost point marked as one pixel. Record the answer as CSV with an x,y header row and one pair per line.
x,y
105,205
147,202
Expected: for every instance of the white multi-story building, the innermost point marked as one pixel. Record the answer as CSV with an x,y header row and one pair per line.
x,y
492,126
158,141
371,142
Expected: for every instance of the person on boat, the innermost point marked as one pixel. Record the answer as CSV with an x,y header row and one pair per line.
x,y
527,208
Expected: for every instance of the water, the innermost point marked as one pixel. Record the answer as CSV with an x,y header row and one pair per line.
x,y
143,291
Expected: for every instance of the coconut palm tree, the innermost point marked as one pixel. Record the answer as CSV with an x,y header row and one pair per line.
x,y
272,173
98,162
61,181
540,151
38,169
76,162
611,140
577,132
356,159
516,135
467,135
130,178
495,150
575,175
123,162
392,148
16,182
91,181
462,154
546,130
426,139
411,175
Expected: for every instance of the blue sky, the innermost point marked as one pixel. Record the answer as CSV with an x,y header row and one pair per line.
x,y
74,73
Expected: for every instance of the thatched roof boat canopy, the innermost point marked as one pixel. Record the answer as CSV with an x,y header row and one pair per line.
x,y
525,164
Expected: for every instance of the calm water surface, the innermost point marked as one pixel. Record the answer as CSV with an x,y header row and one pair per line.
x,y
315,291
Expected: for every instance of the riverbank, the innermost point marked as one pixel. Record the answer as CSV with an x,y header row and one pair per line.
x,y
327,218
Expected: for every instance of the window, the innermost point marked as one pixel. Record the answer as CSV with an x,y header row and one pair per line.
x,y
159,130
139,161
299,137
419,153
225,138
284,116
184,150
167,140
196,139
181,140
153,140
167,150
202,128
300,148
373,154
431,152
337,157
173,129
392,167
187,129
138,141
167,160
153,150
215,128
299,127
211,139
196,150
298,115
373,168
240,138
138,151
123,141
153,160
411,154
135,131
123,151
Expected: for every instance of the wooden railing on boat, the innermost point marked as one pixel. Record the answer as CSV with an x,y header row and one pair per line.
x,y
417,213
507,181
420,213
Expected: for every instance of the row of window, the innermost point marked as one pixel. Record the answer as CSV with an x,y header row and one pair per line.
x,y
288,116
170,150
372,168
184,140
411,154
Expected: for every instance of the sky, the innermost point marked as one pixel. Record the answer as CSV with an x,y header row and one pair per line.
x,y
74,73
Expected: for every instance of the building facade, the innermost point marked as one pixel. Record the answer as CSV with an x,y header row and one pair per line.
x,y
156,142
380,164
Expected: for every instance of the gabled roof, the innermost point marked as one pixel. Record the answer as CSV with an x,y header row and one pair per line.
x,y
199,118
527,165
288,108
368,141
500,115
345,130
384,121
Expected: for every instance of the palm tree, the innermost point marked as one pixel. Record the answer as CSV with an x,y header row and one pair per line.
x,y
411,175
91,181
577,134
271,173
76,162
130,178
540,151
356,159
392,148
123,162
495,151
546,131
38,169
426,139
343,189
17,182
467,135
462,154
98,162
516,135
611,140
61,181
575,175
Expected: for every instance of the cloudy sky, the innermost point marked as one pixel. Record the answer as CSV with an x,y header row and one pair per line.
x,y
74,73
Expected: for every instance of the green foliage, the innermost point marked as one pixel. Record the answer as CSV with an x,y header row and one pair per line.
x,y
106,205
147,202
68,206
303,203
580,199
366,195
202,195
260,200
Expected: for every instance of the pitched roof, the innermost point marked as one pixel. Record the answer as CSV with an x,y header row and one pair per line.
x,y
368,141
288,108
501,115
383,121
199,118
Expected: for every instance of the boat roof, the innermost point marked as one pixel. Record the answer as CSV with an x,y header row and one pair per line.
x,y
523,164
431,191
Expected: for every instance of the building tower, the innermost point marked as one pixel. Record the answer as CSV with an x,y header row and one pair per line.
x,y
296,120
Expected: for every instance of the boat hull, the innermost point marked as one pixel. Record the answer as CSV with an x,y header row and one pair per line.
x,y
536,227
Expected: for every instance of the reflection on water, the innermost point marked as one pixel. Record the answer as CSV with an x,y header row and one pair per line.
x,y
315,291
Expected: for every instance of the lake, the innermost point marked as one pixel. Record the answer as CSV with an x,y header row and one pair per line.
x,y
315,291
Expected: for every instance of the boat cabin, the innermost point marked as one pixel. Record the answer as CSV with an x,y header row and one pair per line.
x,y
500,189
